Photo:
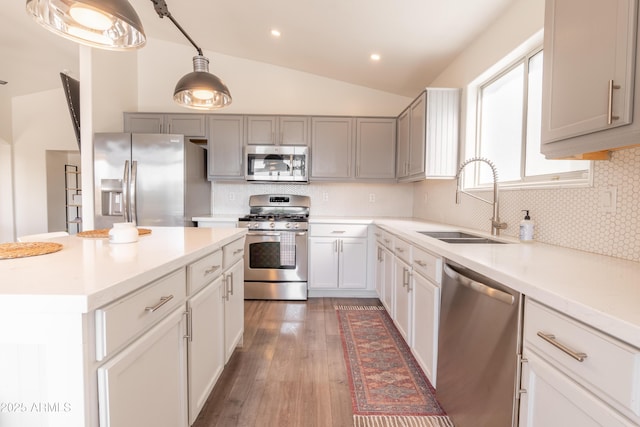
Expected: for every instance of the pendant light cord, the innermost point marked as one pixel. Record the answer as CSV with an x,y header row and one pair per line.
x,y
163,11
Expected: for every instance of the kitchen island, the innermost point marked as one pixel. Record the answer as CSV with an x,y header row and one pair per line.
x,y
84,331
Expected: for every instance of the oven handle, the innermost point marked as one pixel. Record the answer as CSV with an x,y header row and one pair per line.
x,y
274,233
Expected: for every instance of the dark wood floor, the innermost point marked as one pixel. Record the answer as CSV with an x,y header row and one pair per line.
x,y
290,371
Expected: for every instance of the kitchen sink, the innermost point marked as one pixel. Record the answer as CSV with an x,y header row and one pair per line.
x,y
459,237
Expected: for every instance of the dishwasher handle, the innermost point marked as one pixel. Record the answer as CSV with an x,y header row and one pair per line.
x,y
482,288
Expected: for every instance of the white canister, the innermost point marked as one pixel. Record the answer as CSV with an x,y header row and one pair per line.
x,y
123,232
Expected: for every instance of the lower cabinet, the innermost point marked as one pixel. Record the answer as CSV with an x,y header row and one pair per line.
x,y
233,307
145,384
205,349
338,256
554,400
338,263
574,375
403,299
426,312
389,281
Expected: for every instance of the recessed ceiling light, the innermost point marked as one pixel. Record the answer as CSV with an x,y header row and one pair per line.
x,y
375,57
275,33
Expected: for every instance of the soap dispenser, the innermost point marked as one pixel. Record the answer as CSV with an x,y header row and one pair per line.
x,y
526,228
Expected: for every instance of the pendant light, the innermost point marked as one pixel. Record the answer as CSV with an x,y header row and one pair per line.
x,y
199,89
105,24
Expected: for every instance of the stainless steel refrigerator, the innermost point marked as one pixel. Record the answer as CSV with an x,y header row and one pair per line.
x,y
149,179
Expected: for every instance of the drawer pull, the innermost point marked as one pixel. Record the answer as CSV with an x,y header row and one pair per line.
x,y
338,232
211,269
421,263
400,250
163,301
237,251
551,339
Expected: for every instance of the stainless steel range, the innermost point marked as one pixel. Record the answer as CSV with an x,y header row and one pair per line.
x,y
276,247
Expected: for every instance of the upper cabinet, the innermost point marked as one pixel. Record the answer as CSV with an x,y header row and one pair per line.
x,y
191,125
331,147
589,75
226,136
277,130
375,148
345,148
428,136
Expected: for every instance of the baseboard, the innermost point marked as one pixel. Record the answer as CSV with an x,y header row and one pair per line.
x,y
342,293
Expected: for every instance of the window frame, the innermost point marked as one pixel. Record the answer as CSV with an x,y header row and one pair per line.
x,y
471,181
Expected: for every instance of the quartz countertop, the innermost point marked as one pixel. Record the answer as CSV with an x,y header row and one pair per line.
x,y
88,273
601,291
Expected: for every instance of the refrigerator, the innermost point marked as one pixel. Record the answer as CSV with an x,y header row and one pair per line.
x,y
149,179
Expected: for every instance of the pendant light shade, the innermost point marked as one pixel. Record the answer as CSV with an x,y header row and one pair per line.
x,y
200,89
105,24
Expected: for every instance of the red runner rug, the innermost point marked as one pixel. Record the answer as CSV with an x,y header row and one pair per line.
x,y
388,388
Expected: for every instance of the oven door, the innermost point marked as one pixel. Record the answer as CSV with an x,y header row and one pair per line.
x,y
276,256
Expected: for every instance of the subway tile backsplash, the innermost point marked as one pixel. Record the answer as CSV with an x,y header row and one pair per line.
x,y
570,217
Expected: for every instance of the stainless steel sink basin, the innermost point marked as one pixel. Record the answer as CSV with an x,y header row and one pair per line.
x,y
459,237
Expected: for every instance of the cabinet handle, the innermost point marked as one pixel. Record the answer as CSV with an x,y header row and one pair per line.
x,y
163,301
211,269
421,263
551,339
338,232
610,116
400,250
230,283
341,246
189,314
237,251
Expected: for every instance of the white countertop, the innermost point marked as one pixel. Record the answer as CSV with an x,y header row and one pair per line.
x,y
601,291
88,273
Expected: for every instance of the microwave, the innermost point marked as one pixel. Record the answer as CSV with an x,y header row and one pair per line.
x,y
269,163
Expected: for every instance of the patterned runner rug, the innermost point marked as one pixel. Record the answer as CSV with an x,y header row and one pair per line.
x,y
388,388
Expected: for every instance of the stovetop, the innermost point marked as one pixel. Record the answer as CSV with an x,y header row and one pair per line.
x,y
277,212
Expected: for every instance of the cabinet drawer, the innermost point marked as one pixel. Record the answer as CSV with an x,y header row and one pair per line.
x,y
402,249
427,264
611,369
203,271
124,319
232,252
339,230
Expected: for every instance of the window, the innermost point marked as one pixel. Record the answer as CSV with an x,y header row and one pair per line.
x,y
509,110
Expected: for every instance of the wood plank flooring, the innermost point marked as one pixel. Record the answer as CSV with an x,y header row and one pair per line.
x,y
289,372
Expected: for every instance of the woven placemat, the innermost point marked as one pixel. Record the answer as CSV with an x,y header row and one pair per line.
x,y
104,233
25,249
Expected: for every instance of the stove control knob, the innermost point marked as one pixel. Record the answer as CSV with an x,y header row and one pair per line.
x,y
296,225
272,225
287,225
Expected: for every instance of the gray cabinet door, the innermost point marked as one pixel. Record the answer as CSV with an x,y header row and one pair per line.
x,y
193,125
143,122
417,136
331,147
375,148
402,165
226,135
293,130
261,130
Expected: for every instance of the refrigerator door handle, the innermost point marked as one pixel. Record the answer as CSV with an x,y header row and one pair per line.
x,y
125,192
134,183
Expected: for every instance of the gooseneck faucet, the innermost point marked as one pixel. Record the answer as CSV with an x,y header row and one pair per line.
x,y
496,225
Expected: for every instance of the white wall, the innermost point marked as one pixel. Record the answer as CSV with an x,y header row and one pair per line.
x,y
327,199
256,87
40,122
6,193
563,216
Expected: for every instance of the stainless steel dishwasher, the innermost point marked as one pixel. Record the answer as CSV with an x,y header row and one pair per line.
x,y
479,347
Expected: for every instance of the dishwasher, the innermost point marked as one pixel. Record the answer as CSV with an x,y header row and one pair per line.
x,y
479,349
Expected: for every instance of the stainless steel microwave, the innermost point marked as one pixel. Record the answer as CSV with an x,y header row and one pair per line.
x,y
279,163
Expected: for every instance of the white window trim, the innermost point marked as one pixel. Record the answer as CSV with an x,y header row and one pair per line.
x,y
468,132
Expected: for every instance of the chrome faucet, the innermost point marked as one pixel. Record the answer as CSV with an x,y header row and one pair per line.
x,y
496,225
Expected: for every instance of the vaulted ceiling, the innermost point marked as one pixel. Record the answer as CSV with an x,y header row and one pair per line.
x,y
416,39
